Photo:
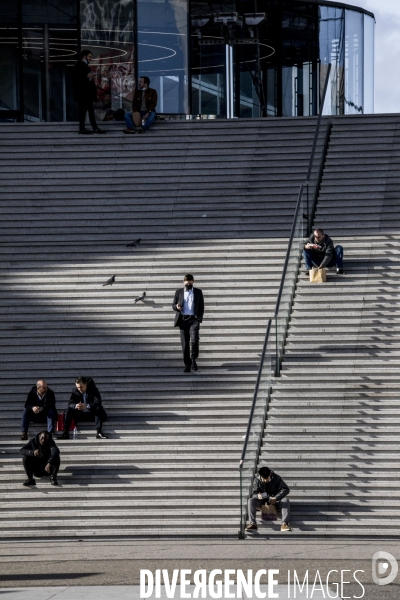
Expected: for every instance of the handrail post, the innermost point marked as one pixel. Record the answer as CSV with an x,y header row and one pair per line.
x,y
241,530
277,360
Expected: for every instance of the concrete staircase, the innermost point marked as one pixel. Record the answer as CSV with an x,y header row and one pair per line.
x,y
212,198
333,429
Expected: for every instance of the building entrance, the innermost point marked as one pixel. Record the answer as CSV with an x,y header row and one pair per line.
x,y
226,65
49,53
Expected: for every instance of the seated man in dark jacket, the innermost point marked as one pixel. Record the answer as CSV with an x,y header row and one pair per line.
x,y
40,407
85,406
269,488
143,108
41,458
320,252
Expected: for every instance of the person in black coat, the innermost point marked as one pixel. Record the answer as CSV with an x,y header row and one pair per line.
x,y
41,458
189,307
85,406
269,488
40,407
85,92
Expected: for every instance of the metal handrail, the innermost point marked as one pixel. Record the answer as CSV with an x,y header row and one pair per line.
x,y
299,199
319,122
253,406
255,395
281,287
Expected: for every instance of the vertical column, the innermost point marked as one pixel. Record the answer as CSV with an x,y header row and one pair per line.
x,y
46,48
229,82
20,61
369,55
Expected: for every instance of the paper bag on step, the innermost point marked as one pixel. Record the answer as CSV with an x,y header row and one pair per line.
x,y
317,275
268,512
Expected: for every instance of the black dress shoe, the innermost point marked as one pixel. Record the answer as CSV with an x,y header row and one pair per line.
x,y
98,130
187,369
194,365
24,436
29,482
85,132
54,481
101,436
64,436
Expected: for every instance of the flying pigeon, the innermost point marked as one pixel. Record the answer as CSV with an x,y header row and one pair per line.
x,y
134,243
142,298
109,281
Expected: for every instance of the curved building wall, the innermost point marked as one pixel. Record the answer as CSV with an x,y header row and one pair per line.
x,y
206,59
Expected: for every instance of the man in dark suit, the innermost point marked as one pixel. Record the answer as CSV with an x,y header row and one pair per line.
x,y
189,307
40,407
85,405
85,92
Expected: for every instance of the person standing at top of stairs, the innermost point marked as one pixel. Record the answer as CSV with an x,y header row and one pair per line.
x,y
320,252
189,307
85,92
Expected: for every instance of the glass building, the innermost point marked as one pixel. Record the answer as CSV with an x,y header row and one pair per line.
x,y
234,58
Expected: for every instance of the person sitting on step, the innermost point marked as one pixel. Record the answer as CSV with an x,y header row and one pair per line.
x,y
85,406
41,458
268,488
320,252
40,407
143,108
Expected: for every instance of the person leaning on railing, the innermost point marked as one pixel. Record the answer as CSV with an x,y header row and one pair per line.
x,y
320,252
269,488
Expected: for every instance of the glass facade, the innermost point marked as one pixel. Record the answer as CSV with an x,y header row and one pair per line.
x,y
239,58
107,29
331,36
163,52
354,63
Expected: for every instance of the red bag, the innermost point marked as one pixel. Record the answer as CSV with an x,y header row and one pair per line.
x,y
60,423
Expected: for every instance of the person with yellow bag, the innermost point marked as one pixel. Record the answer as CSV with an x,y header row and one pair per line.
x,y
320,252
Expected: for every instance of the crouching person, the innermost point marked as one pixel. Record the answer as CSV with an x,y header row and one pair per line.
x,y
269,488
85,406
41,458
